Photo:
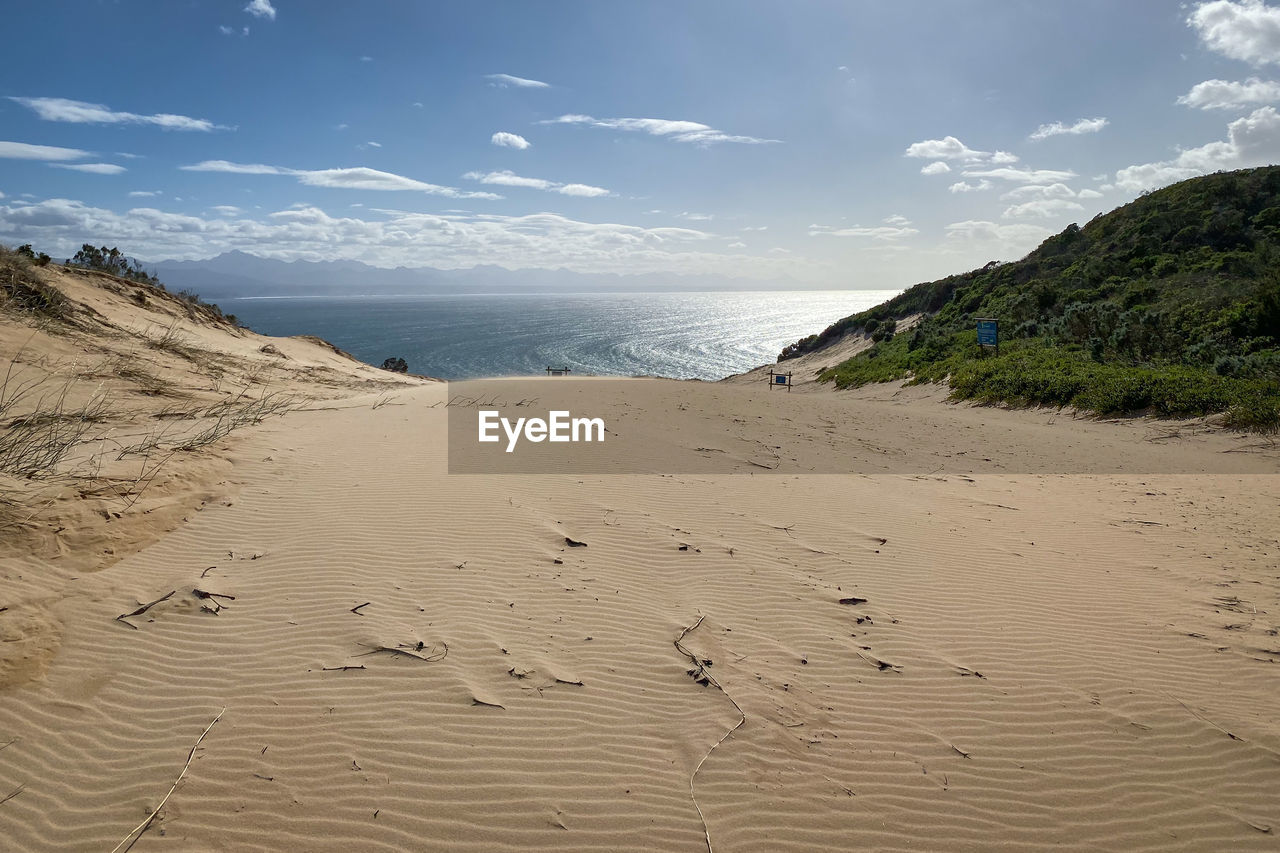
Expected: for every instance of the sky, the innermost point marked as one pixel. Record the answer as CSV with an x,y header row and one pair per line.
x,y
852,144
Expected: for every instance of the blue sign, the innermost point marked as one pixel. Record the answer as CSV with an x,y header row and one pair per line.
x,y
988,333
779,380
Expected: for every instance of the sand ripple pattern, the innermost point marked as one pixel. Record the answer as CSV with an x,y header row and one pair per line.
x,y
1022,674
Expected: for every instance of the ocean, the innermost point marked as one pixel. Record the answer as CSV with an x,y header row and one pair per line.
x,y
707,335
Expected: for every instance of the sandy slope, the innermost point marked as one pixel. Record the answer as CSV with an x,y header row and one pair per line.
x,y
1080,661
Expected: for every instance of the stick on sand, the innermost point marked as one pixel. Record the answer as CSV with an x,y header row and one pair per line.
x,y
742,719
137,831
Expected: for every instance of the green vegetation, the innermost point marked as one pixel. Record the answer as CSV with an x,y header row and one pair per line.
x,y
1169,305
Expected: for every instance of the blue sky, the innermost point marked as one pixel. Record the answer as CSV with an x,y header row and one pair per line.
x,y
844,144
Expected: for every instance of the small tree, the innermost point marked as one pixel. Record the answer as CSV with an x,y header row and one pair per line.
x,y
396,365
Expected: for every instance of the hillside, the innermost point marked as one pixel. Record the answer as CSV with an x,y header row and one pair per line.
x,y
1169,304
116,397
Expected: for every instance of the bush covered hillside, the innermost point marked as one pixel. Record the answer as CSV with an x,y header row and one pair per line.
x,y
1170,304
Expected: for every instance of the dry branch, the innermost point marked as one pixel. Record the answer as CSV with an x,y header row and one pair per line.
x,y
123,617
137,831
700,668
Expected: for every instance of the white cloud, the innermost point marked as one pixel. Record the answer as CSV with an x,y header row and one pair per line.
x,y
696,217
885,233
92,168
261,9
737,244
225,30
583,190
144,193
966,187
226,209
361,178
937,167
1088,194
1003,158
680,131
896,219
1057,128
1039,191
1251,141
507,178
81,112
756,228
509,140
391,238
366,59
235,168
1226,95
502,81
1248,30
947,148
1024,176
1005,241
25,151
1043,208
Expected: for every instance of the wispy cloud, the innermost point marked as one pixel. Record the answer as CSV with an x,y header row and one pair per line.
x,y
26,151
1057,128
1248,30
81,112
92,168
504,80
510,179
144,193
261,9
679,131
1022,176
1227,95
359,178
1044,207
886,233
509,140
937,167
1011,240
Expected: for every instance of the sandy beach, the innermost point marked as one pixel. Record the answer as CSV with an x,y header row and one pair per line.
x,y
995,630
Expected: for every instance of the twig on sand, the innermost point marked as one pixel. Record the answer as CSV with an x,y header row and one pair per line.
x,y
786,530
124,617
700,668
433,653
1204,719
356,609
137,831
339,669
15,792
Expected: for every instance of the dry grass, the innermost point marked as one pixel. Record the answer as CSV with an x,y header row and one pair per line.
x,y
22,291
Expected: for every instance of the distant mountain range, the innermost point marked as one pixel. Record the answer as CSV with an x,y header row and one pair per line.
x,y
238,274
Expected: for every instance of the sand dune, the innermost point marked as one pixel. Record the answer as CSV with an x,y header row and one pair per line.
x,y
947,656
